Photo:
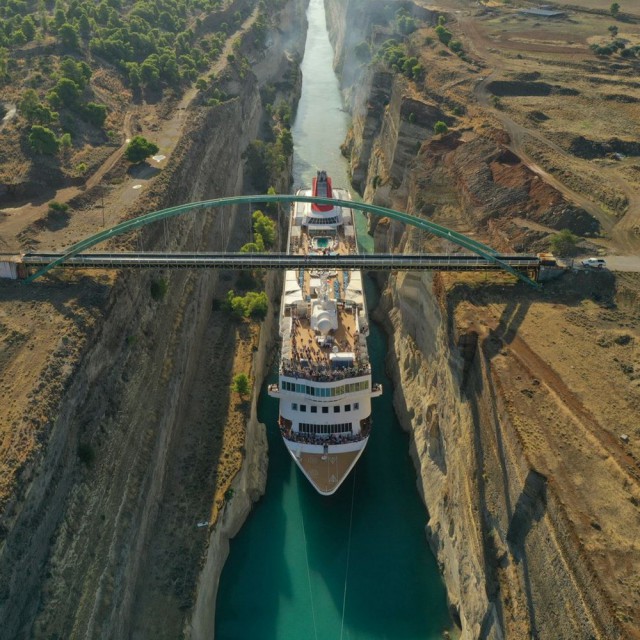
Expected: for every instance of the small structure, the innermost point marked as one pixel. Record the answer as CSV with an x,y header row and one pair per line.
x,y
11,267
543,13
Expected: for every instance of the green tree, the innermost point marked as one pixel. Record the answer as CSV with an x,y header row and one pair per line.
x,y
440,127
614,9
564,243
84,26
65,142
4,59
139,149
43,140
66,93
29,28
265,227
444,35
28,104
96,114
241,384
68,36
18,38
286,142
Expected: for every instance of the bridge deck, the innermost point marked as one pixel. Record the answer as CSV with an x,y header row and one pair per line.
x,y
372,262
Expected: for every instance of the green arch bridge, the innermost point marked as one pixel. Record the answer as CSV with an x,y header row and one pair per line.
x,y
521,266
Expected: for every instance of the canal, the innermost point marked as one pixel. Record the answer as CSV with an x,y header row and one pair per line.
x,y
355,565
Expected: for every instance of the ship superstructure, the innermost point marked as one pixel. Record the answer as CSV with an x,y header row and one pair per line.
x,y
325,386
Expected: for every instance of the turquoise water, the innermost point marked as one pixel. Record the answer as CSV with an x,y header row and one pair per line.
x,y
355,565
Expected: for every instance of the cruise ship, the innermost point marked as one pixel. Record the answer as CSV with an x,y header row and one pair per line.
x,y
324,385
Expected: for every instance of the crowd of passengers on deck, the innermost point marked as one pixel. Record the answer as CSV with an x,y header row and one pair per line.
x,y
322,439
321,372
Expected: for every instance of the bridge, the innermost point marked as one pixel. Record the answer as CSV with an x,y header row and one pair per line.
x,y
482,257
369,262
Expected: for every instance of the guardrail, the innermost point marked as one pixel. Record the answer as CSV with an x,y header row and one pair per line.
x,y
372,262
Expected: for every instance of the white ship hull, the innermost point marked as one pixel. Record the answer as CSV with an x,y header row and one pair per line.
x,y
325,386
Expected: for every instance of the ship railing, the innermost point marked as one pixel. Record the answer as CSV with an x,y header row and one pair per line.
x,y
311,438
323,374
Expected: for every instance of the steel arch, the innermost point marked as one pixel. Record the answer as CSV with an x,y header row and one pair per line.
x,y
135,223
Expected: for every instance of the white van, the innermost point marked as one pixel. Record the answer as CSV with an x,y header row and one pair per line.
x,y
594,263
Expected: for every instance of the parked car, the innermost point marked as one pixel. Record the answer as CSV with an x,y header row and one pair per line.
x,y
594,263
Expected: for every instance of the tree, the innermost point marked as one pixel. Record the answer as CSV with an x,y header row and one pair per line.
x,y
65,142
140,149
564,243
96,114
241,384
614,9
43,140
68,36
440,127
444,35
66,93
29,28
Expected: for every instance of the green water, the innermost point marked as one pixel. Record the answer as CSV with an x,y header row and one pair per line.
x,y
355,565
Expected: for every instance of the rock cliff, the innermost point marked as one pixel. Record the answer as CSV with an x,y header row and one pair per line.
x,y
76,539
501,535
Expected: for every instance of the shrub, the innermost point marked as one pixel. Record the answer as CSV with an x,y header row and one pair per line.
x,y
241,384
440,127
158,288
86,453
564,243
43,140
444,35
58,207
252,304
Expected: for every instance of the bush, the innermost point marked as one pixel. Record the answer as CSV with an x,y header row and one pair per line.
x,y
564,243
252,304
43,140
440,127
241,384
86,453
444,35
158,288
58,207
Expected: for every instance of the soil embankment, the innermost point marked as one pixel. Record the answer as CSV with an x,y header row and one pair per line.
x,y
528,468
121,451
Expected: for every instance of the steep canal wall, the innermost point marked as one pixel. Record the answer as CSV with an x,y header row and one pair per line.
x,y
77,538
501,539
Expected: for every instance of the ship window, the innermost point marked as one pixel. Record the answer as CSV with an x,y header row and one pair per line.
x,y
303,407
347,407
325,409
314,409
336,409
356,406
294,406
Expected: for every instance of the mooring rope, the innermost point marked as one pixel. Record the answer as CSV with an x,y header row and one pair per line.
x,y
346,575
306,553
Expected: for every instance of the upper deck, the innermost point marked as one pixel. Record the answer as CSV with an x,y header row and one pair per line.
x,y
324,323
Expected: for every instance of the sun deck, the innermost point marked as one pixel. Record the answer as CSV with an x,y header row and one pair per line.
x,y
308,352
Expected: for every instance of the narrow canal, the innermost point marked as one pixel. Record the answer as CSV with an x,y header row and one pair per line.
x,y
355,565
